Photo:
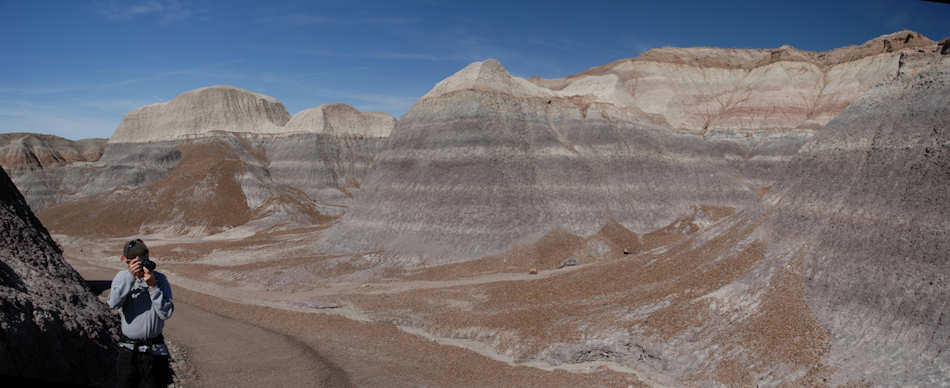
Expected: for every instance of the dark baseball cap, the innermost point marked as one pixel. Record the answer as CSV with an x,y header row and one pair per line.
x,y
135,248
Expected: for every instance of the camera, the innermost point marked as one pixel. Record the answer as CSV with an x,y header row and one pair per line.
x,y
136,248
146,263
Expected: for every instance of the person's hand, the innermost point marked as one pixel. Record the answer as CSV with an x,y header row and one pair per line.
x,y
135,267
148,277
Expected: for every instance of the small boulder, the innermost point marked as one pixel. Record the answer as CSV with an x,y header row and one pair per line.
x,y
533,271
944,46
569,262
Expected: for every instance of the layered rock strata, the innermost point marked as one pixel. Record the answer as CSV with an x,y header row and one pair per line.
x,y
297,173
52,328
32,152
327,150
119,166
470,171
866,205
342,120
485,159
711,89
217,180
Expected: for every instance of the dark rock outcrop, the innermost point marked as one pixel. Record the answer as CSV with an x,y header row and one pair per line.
x,y
52,328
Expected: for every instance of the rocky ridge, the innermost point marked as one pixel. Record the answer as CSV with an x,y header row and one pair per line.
x,y
33,152
52,328
711,89
495,156
288,170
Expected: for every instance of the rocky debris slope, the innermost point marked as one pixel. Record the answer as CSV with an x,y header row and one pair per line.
x,y
202,111
470,171
866,205
51,326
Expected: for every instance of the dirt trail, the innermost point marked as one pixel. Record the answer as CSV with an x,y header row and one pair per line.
x,y
251,345
227,352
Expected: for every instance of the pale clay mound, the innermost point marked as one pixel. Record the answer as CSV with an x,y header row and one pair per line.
x,y
199,112
341,119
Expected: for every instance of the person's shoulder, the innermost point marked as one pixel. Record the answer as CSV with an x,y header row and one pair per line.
x,y
122,275
160,277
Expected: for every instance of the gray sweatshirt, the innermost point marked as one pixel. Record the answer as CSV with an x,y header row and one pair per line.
x,y
144,310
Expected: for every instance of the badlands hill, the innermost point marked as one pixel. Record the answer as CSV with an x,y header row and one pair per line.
x,y
210,160
486,159
711,89
201,111
52,328
341,119
32,152
838,277
865,206
695,216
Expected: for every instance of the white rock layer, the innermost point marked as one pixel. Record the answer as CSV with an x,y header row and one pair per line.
x,y
199,112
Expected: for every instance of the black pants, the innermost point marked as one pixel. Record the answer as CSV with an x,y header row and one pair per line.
x,y
138,369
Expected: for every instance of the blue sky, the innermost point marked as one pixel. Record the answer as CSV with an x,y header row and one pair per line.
x,y
75,68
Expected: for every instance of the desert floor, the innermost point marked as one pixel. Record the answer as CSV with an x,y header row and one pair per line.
x,y
254,335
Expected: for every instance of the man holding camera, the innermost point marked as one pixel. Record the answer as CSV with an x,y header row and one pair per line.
x,y
146,301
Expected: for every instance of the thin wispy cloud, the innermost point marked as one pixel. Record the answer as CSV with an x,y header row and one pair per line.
x,y
414,56
298,19
394,20
393,55
304,19
369,102
168,11
33,91
36,118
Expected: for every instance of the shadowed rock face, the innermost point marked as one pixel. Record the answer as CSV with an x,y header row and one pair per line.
x,y
51,326
198,112
867,205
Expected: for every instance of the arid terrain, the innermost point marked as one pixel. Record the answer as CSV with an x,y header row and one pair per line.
x,y
688,217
